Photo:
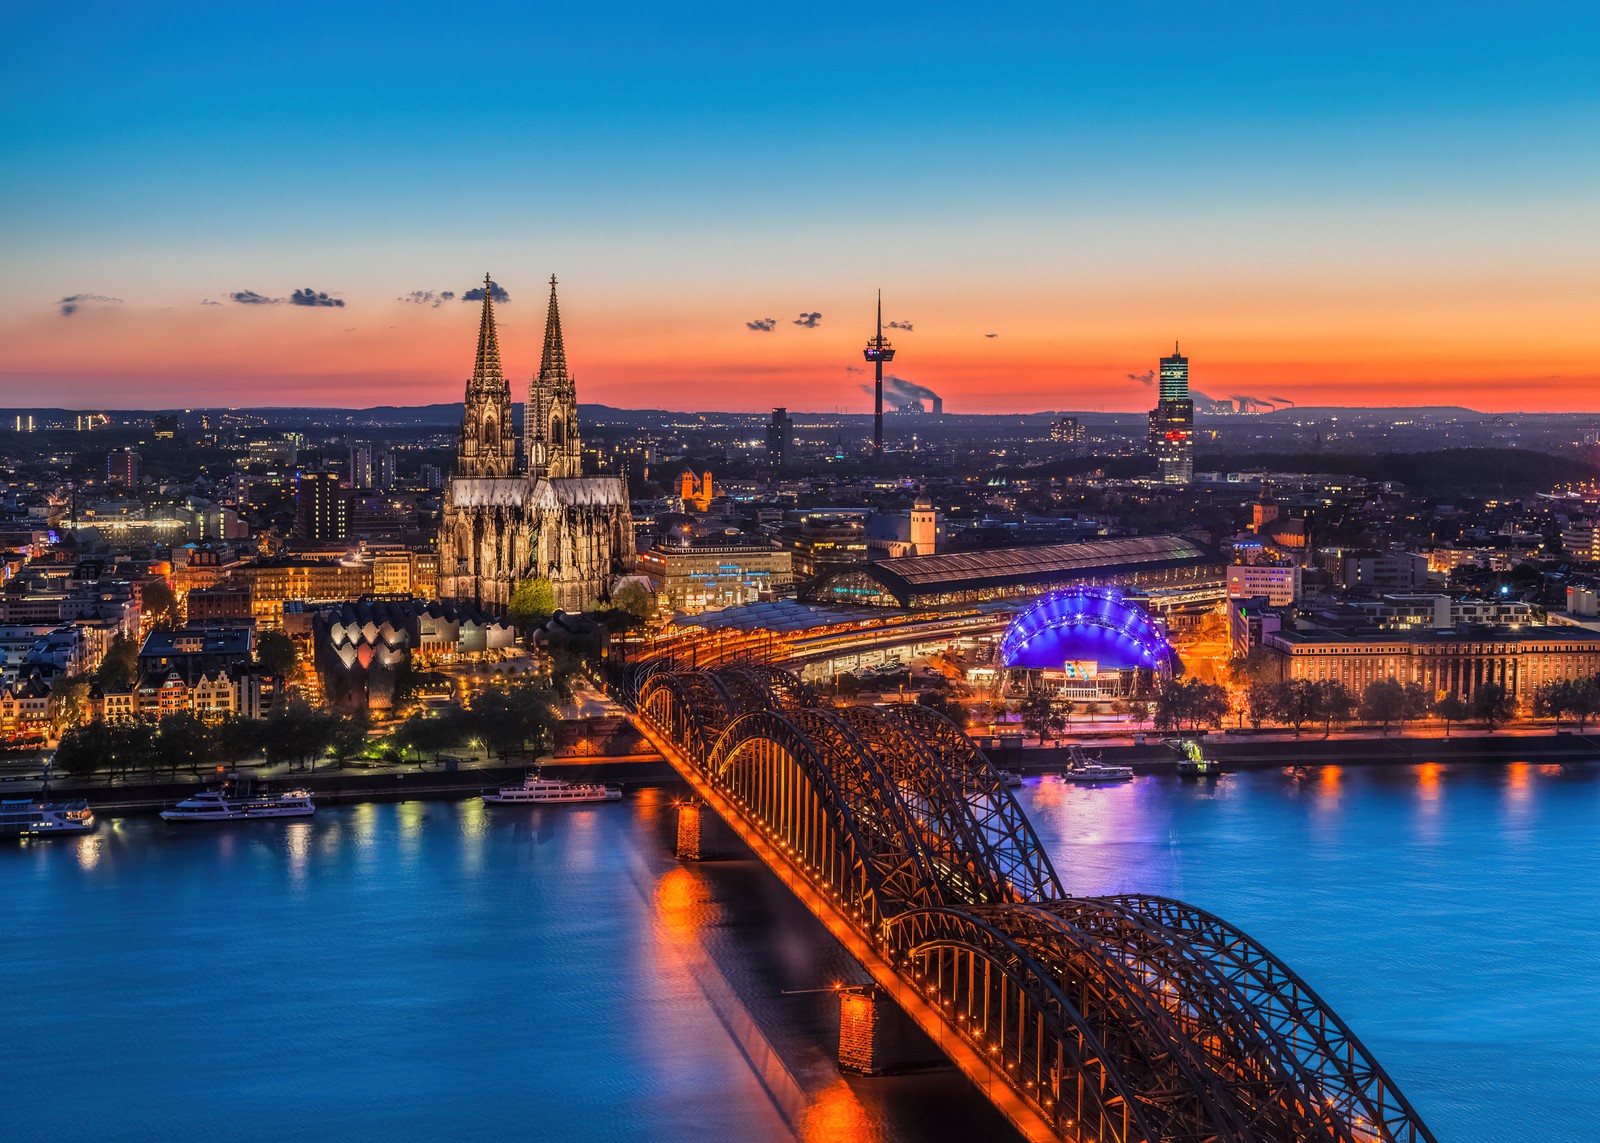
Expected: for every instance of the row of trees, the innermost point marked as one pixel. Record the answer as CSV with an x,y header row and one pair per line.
x,y
1297,703
295,733
511,717
1574,699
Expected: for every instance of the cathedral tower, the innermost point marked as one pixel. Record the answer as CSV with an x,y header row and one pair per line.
x,y
551,416
488,444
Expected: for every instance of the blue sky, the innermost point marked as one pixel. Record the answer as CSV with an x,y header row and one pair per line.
x,y
702,161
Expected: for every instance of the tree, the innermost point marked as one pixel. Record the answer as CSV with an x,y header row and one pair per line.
x,y
1334,703
236,738
942,702
158,604
1189,701
1383,702
83,749
183,740
846,685
276,654
1260,701
1036,711
533,601
1295,702
348,735
1492,704
1416,703
634,598
296,733
432,732
69,702
120,665
1451,708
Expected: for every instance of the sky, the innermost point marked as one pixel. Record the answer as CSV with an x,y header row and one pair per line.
x,y
1353,204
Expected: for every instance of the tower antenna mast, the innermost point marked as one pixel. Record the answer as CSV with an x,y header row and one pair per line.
x,y
878,351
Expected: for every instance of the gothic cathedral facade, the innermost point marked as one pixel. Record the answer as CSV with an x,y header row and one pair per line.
x,y
508,518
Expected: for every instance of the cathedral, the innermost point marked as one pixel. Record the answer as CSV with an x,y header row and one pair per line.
x,y
509,517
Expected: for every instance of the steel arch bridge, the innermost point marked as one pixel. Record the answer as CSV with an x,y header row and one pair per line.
x,y
1127,1019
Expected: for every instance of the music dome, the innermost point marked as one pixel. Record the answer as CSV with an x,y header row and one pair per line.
x,y
1086,624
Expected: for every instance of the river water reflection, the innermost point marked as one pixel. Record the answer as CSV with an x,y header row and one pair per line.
x,y
456,971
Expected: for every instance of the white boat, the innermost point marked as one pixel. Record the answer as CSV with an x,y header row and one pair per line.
x,y
1084,767
30,817
536,790
1009,777
234,801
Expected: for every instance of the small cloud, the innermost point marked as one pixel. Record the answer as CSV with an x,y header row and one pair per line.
x,y
251,298
905,325
495,294
762,325
310,297
72,303
808,321
428,298
854,369
991,335
209,302
1148,377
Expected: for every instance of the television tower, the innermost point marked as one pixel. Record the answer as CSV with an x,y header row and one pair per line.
x,y
878,351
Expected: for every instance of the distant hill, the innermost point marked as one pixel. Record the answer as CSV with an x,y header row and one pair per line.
x,y
1476,471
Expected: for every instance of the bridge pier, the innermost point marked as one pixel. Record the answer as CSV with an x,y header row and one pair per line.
x,y
691,825
875,1037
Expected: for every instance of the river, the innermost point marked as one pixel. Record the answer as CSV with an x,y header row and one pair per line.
x,y
434,970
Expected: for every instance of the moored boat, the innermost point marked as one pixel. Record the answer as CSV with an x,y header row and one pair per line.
x,y
1085,767
35,817
538,790
237,800
1192,762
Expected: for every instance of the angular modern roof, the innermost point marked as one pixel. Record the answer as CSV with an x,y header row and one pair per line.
x,y
910,576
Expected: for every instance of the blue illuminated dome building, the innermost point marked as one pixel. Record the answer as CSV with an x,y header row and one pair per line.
x,y
1088,625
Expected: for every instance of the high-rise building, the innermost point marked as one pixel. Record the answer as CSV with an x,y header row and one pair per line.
x,y
122,467
386,465
322,507
1067,430
360,473
1172,421
780,438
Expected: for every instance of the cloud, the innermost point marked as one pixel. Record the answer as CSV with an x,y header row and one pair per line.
x,y
854,369
905,325
808,321
762,325
495,293
991,335
1148,377
72,303
209,302
251,298
310,297
428,298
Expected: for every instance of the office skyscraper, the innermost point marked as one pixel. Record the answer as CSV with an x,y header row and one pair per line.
x,y
1172,421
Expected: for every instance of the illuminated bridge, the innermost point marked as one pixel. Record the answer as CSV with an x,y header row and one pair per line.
x,y
1130,1019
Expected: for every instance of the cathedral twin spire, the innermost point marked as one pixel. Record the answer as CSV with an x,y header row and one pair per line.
x,y
550,418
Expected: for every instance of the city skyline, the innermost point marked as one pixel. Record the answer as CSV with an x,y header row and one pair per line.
x,y
1372,208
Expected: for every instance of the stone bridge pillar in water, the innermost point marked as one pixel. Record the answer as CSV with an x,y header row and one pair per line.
x,y
691,827
876,1038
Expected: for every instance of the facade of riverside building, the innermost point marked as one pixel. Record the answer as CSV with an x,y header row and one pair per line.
x,y
1454,662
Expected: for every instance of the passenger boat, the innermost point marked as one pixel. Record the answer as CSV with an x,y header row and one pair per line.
x,y
536,790
234,801
1084,767
1009,777
35,817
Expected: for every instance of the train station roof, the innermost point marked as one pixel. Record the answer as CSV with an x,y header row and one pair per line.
x,y
913,578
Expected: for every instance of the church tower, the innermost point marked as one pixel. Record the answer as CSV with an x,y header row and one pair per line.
x,y
551,416
488,444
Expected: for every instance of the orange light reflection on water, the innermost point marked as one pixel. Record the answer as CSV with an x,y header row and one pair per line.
x,y
1428,780
835,1115
1328,781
